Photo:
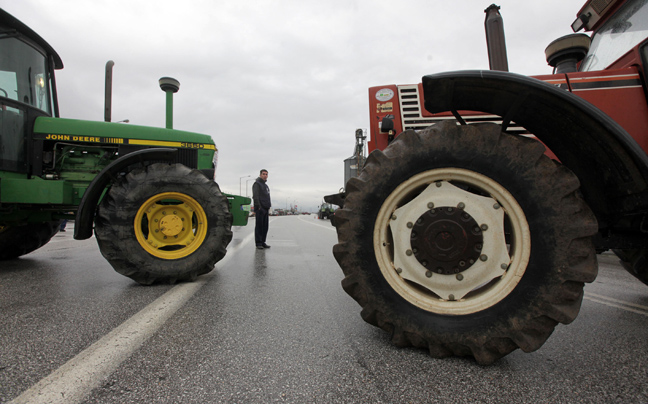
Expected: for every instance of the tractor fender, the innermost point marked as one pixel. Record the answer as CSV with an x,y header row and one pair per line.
x,y
86,213
606,159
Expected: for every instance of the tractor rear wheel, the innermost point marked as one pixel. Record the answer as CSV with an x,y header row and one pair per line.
x,y
164,223
20,240
635,262
467,241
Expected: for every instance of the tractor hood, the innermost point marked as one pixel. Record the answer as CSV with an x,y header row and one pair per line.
x,y
73,130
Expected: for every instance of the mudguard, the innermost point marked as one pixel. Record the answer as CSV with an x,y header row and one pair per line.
x,y
85,215
606,159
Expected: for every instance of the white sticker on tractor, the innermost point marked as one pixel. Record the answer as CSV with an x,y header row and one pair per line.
x,y
384,94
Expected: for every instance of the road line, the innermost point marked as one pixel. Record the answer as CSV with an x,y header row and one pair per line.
x,y
328,226
74,381
620,304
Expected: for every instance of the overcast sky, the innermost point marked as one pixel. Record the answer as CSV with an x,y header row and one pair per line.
x,y
278,84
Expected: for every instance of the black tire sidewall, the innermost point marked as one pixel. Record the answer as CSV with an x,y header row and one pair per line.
x,y
129,195
532,194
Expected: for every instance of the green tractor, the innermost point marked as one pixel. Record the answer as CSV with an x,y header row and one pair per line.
x,y
325,211
149,193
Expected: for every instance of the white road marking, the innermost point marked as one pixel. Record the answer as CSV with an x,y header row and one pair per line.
x,y
74,381
326,225
619,304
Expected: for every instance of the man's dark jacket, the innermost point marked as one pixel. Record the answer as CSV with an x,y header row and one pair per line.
x,y
261,195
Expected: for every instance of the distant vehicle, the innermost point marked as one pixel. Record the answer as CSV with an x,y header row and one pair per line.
x,y
325,210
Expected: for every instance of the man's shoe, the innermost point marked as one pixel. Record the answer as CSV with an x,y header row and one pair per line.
x,y
265,245
260,247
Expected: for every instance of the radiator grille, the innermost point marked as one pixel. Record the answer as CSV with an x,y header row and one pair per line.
x,y
187,157
412,115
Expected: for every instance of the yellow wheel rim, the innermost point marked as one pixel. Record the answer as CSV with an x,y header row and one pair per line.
x,y
170,225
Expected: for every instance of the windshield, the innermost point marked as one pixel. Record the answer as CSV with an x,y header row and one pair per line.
x,y
625,30
23,74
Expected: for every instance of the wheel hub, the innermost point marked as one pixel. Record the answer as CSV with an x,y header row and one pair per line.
x,y
446,240
459,245
171,225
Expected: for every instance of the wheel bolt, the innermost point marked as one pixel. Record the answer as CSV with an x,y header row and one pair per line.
x,y
428,274
410,225
496,206
430,205
483,257
504,266
484,227
399,270
459,277
438,185
408,253
451,297
393,217
461,205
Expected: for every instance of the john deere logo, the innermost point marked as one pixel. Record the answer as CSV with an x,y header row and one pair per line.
x,y
384,94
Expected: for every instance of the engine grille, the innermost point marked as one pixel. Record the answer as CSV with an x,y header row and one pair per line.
x,y
187,157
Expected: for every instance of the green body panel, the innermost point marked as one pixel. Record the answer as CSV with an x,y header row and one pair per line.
x,y
88,131
237,206
36,191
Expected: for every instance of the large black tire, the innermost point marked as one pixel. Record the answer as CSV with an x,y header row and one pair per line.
x,y
467,241
20,240
163,224
635,262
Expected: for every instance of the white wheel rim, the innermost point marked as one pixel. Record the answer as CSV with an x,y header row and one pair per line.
x,y
488,279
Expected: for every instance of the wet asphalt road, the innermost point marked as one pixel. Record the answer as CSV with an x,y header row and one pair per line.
x,y
275,326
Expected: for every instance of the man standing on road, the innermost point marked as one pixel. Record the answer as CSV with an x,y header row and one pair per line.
x,y
261,196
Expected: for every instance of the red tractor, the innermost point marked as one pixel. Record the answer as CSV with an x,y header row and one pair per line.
x,y
477,217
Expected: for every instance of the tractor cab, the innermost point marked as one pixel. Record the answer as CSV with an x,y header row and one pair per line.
x,y
27,89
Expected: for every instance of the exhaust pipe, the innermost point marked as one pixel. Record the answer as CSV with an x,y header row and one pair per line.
x,y
170,86
495,41
108,91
